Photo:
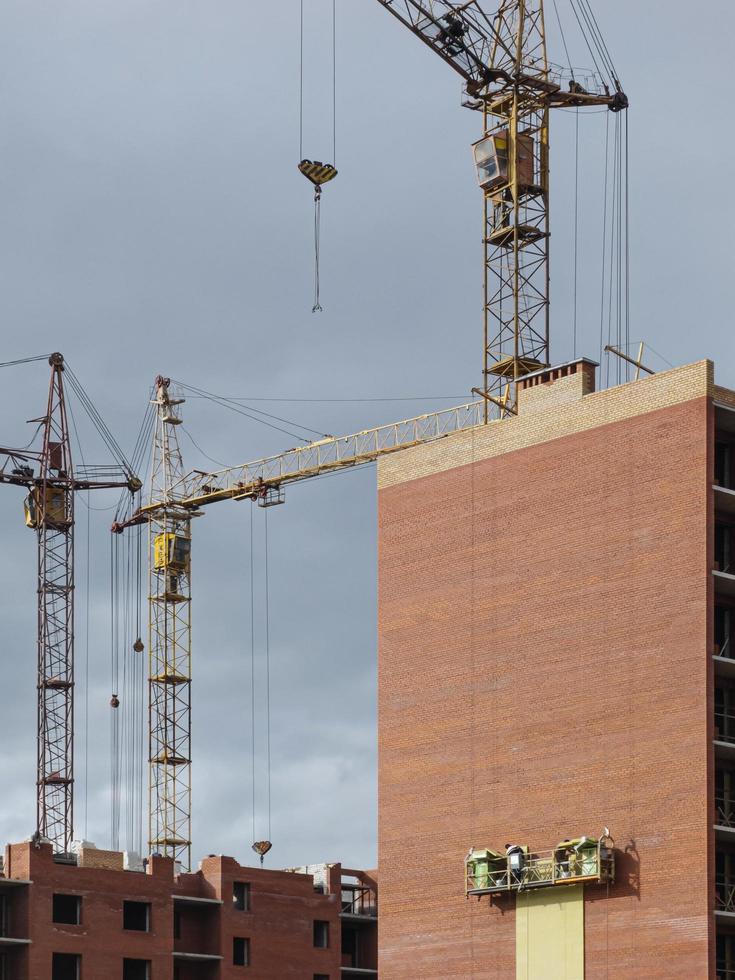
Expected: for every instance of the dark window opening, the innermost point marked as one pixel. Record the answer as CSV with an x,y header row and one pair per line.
x,y
136,969
321,934
350,947
321,976
241,896
3,920
137,916
723,548
65,966
67,909
723,624
177,923
241,952
723,465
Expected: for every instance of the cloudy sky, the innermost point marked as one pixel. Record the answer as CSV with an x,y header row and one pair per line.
x,y
153,221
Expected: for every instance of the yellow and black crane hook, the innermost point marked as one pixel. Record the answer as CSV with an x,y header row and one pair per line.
x,y
318,174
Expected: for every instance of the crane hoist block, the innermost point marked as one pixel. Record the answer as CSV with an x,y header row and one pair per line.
x,y
491,160
172,552
46,506
317,172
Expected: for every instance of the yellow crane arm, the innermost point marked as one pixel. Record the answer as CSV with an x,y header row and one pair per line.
x,y
254,480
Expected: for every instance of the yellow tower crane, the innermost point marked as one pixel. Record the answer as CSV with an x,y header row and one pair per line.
x,y
508,79
175,499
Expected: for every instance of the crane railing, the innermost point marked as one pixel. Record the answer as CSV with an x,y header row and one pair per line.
x,y
254,480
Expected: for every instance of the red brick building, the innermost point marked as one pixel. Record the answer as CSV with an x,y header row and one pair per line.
x,y
87,918
555,657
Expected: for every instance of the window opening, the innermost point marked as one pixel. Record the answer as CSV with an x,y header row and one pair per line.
x,y
67,909
137,916
321,934
136,969
241,896
241,952
65,966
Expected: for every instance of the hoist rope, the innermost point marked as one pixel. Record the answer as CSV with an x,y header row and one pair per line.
x,y
301,84
334,82
576,228
267,675
604,237
627,233
317,307
252,666
86,678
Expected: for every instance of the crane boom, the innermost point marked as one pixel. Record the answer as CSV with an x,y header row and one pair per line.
x,y
258,480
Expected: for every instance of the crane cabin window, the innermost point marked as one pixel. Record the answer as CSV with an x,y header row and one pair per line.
x,y
492,160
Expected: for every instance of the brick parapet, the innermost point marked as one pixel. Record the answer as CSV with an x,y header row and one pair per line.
x,y
594,410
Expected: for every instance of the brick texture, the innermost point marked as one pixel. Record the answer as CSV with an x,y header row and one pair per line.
x,y
279,922
543,672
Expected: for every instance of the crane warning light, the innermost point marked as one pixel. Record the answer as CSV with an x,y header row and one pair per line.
x,y
491,160
172,552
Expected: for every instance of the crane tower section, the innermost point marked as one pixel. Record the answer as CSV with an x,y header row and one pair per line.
x,y
49,508
508,78
169,642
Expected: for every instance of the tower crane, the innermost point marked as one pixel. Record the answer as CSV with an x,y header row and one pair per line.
x,y
51,483
175,499
508,79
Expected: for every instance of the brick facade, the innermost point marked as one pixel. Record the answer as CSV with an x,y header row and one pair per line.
x,y
544,671
193,919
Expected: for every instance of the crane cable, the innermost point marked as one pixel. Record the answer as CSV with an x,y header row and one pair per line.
x,y
315,171
261,847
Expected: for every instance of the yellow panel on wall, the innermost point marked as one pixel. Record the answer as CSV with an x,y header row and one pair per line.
x,y
550,934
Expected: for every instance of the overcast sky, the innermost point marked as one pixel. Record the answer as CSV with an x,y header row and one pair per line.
x,y
153,221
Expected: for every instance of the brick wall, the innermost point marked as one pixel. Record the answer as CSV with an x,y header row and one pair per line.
x,y
543,672
279,922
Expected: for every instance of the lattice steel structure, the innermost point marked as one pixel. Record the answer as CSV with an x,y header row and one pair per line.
x,y
169,642
53,502
508,78
51,482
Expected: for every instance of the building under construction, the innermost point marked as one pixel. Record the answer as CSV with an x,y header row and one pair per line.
x,y
95,914
556,679
556,734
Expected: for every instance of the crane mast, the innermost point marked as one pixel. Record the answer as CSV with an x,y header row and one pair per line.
x,y
504,64
50,509
51,483
169,641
